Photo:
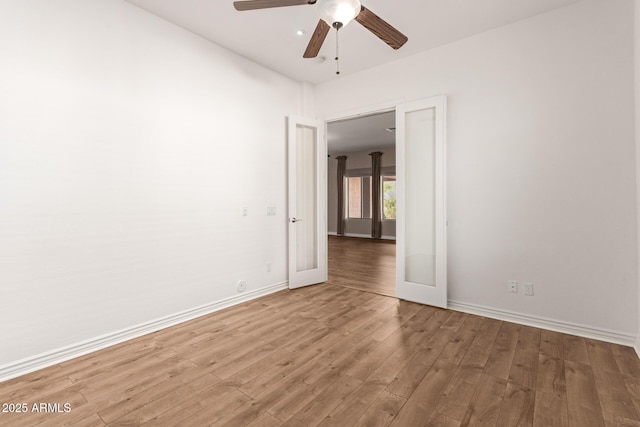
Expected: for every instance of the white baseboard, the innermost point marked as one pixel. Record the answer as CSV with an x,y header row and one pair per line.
x,y
551,324
361,236
44,360
637,347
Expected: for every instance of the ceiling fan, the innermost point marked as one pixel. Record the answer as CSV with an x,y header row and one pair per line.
x,y
336,14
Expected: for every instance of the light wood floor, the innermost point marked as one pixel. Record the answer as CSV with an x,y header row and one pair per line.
x,y
333,356
365,264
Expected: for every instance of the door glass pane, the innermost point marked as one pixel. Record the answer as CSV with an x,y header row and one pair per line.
x,y
420,197
306,197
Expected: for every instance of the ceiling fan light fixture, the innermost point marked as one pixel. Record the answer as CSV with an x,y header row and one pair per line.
x,y
338,11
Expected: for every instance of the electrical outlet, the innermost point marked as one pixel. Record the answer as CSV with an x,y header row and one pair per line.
x,y
241,286
512,286
528,289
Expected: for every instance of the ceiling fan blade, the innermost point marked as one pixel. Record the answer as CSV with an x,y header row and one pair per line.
x,y
266,4
320,33
381,28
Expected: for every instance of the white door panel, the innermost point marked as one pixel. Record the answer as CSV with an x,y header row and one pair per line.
x,y
421,263
307,155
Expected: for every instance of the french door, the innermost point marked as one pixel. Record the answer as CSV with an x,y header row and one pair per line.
x,y
307,160
421,247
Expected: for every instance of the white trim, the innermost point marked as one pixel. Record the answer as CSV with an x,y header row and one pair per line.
x,y
546,323
44,360
361,236
637,347
384,107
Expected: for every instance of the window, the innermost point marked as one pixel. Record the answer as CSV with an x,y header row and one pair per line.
x,y
358,197
388,197
358,191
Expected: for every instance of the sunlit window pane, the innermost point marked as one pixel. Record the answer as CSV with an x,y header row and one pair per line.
x,y
389,197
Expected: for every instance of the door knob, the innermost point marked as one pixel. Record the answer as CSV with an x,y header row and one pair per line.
x,y
296,219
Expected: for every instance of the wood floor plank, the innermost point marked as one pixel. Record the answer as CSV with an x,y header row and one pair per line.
x,y
550,410
265,420
484,407
354,406
210,409
28,384
524,368
91,421
420,328
480,349
456,349
575,349
287,406
392,366
613,394
457,395
162,404
414,371
612,420
405,312
551,344
358,352
583,403
441,420
627,360
242,359
517,407
34,389
192,406
421,404
290,364
113,380
601,356
125,405
367,365
147,379
551,377
633,387
382,411
501,357
323,404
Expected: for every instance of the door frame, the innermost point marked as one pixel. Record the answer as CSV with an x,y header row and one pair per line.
x,y
385,108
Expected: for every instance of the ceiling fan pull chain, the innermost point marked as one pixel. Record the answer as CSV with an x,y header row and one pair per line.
x,y
337,51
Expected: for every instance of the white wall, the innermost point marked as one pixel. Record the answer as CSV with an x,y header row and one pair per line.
x,y
127,148
356,160
541,164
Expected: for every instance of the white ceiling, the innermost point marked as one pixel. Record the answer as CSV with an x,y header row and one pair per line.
x,y
361,133
268,36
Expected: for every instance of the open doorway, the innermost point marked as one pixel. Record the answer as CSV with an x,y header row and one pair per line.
x,y
357,257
